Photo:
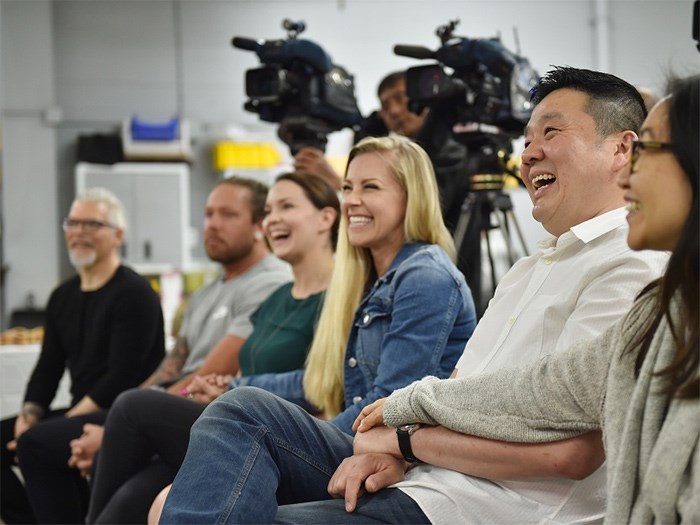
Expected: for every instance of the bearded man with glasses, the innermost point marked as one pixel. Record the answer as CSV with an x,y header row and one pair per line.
x,y
105,326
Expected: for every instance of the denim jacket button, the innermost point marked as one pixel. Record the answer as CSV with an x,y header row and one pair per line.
x,y
352,362
365,319
356,399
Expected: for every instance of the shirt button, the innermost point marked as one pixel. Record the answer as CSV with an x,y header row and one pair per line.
x,y
365,319
352,362
511,321
356,399
548,261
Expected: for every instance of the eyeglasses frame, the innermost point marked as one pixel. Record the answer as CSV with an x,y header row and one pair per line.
x,y
639,145
89,225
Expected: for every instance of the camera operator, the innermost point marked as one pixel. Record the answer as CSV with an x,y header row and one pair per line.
x,y
448,156
450,162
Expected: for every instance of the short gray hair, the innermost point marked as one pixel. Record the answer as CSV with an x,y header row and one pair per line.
x,y
115,208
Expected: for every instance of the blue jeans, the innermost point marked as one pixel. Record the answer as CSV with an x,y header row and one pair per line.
x,y
251,451
386,506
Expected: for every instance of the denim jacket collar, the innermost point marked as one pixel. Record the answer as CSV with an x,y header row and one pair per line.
x,y
404,253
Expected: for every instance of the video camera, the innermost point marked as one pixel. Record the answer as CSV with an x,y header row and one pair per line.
x,y
299,87
489,84
483,103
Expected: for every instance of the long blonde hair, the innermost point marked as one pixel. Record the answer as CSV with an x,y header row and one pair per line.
x,y
353,270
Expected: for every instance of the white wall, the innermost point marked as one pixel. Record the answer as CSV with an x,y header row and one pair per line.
x,y
29,182
102,61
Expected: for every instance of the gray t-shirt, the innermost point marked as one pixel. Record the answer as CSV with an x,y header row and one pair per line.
x,y
224,308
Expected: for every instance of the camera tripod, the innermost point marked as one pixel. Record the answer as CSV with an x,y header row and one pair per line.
x,y
485,201
488,166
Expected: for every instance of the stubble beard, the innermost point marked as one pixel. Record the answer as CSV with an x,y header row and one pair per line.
x,y
230,255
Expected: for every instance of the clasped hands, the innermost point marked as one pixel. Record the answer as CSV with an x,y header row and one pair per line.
x,y
202,389
84,448
376,462
205,389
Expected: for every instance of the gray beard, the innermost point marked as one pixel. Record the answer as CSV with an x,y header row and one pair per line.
x,y
80,262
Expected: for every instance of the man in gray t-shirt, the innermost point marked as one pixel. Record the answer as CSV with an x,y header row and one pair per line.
x,y
223,308
217,320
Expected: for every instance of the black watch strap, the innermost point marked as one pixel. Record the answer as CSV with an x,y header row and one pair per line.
x,y
403,434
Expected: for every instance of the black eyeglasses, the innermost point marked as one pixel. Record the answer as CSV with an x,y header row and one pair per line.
x,y
638,145
89,225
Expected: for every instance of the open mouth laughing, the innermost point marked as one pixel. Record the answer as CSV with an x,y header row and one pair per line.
x,y
632,206
359,219
279,234
545,179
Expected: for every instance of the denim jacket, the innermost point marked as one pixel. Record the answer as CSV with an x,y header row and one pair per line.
x,y
414,321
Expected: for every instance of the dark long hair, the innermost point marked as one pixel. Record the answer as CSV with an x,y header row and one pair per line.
x,y
681,280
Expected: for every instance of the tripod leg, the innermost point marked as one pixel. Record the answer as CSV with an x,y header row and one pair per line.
x,y
503,227
514,220
492,266
464,220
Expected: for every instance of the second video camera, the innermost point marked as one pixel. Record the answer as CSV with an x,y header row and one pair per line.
x,y
488,85
299,87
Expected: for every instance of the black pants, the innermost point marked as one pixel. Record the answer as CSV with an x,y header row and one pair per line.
x,y
53,492
145,441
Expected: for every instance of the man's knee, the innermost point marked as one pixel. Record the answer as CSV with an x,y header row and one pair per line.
x,y
246,405
132,399
136,404
246,397
34,445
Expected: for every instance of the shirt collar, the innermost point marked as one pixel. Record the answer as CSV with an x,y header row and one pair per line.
x,y
600,225
589,230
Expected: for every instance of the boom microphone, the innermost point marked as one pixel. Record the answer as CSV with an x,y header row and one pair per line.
x,y
413,51
245,43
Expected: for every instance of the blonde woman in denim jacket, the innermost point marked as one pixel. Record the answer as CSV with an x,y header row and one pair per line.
x,y
396,310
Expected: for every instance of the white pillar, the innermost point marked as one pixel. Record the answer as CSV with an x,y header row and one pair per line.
x,y
601,33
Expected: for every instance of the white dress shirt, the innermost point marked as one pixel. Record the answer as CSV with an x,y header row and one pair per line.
x,y
572,290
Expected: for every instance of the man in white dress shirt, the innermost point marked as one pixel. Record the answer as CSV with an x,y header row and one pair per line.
x,y
585,277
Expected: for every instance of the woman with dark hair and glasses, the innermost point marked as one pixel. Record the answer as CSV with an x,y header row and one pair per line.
x,y
638,382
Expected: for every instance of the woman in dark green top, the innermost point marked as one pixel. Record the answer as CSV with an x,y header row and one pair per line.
x,y
301,225
284,329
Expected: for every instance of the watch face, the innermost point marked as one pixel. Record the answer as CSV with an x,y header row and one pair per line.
x,y
408,428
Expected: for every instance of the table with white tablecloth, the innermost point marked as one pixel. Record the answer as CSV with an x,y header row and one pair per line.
x,y
16,365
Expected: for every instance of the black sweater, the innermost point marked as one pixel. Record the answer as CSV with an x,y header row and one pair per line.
x,y
110,339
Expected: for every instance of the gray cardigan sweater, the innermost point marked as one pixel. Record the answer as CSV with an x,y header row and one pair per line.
x,y
651,444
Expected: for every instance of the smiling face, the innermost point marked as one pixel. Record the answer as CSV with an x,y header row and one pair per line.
x,y
292,224
229,230
657,192
568,169
87,249
374,206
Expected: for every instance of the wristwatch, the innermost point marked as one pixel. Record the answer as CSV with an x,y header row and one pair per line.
x,y
404,433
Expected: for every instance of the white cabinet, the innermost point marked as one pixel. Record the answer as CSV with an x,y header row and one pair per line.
x,y
157,204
